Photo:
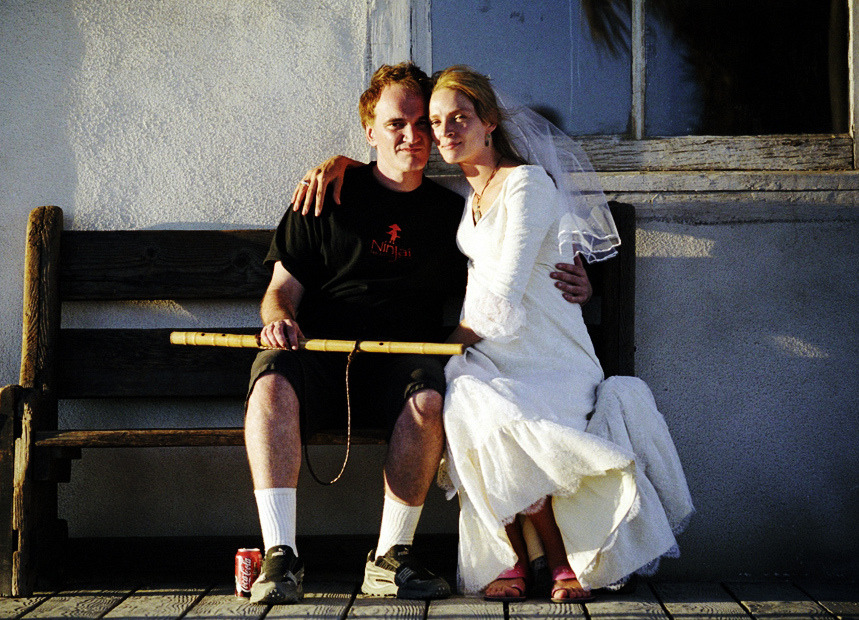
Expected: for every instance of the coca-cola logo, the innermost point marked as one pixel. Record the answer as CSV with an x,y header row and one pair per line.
x,y
246,575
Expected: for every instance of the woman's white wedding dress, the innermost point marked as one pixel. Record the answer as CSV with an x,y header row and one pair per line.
x,y
528,415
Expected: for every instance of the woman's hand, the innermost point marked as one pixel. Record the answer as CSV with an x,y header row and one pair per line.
x,y
573,281
314,183
463,334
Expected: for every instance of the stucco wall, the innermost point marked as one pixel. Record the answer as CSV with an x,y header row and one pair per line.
x,y
745,331
202,114
163,114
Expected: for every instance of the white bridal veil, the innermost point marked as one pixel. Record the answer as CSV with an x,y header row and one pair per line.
x,y
586,225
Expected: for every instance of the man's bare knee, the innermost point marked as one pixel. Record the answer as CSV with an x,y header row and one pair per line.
x,y
272,394
426,407
415,448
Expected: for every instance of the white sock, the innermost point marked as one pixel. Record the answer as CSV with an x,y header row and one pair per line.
x,y
276,509
399,523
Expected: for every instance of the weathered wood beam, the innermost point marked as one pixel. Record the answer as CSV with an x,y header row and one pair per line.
x,y
10,418
809,152
639,64
34,511
164,264
178,437
853,77
41,313
119,363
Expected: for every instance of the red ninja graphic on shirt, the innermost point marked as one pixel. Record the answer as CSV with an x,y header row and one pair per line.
x,y
389,247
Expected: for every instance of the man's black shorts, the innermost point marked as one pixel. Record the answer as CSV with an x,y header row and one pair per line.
x,y
379,385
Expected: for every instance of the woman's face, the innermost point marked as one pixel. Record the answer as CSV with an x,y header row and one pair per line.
x,y
458,132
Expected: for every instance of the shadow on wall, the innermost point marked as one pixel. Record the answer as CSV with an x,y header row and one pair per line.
x,y
750,348
208,492
38,163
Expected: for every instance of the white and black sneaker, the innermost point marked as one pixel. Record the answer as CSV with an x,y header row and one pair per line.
x,y
397,574
280,578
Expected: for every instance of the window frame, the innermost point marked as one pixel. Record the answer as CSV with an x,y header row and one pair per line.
x,y
402,29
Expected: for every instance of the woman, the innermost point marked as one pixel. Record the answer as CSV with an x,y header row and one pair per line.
x,y
521,453
518,401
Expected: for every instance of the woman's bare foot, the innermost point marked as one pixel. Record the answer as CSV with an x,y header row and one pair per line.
x,y
566,587
511,585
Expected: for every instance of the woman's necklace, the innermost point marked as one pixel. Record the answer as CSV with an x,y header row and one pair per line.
x,y
476,213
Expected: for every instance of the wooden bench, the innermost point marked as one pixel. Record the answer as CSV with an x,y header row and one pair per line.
x,y
58,364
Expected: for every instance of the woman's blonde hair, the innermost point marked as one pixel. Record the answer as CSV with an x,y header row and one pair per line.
x,y
478,89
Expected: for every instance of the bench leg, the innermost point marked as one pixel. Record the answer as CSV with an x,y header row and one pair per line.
x,y
40,537
22,508
10,416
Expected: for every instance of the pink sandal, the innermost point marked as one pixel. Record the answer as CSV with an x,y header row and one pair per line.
x,y
517,572
564,573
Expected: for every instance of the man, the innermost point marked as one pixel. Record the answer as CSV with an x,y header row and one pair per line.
x,y
377,265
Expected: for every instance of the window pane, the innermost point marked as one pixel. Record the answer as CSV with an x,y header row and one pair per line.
x,y
547,55
737,67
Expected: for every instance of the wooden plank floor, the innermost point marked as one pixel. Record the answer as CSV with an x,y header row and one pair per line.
x,y
336,597
190,578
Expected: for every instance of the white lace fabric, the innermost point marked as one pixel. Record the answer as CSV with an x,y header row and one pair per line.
x,y
489,314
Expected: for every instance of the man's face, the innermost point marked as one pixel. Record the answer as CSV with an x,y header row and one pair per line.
x,y
400,132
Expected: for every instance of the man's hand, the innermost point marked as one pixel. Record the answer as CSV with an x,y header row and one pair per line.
x,y
573,281
282,334
279,307
310,191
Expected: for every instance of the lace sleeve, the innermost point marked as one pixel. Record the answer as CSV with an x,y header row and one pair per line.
x,y
493,300
490,315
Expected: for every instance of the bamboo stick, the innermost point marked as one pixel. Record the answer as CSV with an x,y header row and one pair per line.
x,y
317,344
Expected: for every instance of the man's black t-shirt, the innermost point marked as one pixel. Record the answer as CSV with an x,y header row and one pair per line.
x,y
378,266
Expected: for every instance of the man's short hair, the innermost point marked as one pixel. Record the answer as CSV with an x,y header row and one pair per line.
x,y
404,73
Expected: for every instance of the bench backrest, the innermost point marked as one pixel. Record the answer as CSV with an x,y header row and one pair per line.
x,y
204,265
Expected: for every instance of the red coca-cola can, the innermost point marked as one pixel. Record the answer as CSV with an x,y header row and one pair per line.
x,y
248,566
